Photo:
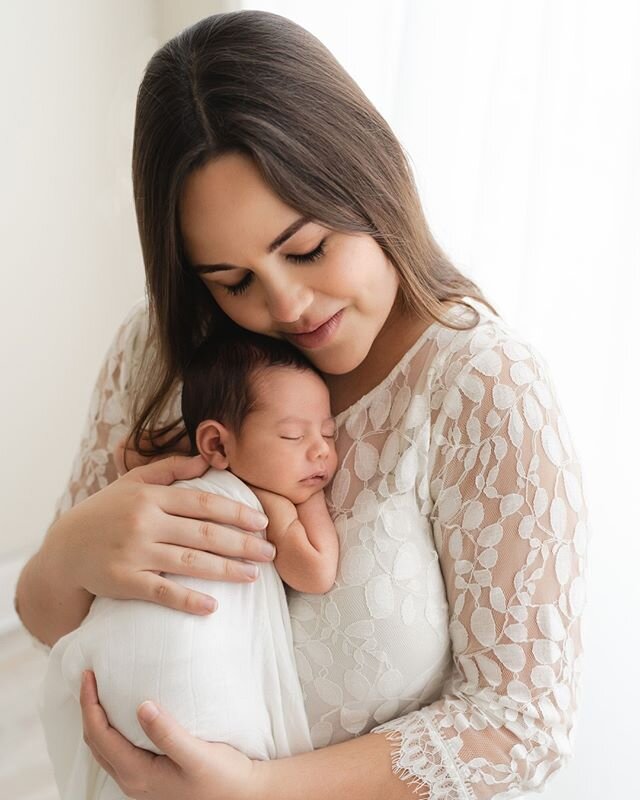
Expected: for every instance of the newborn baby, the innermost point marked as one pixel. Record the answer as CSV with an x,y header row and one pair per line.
x,y
259,412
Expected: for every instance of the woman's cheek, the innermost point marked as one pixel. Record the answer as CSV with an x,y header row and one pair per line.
x,y
239,309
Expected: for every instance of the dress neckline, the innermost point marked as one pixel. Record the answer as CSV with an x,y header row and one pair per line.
x,y
366,398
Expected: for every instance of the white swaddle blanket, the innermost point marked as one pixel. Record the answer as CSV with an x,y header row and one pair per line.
x,y
229,676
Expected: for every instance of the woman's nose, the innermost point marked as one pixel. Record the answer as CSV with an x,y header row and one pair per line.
x,y
287,300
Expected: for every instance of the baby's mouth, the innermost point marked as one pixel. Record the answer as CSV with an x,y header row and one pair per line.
x,y
316,476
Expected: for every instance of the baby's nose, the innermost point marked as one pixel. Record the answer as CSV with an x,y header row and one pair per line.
x,y
322,448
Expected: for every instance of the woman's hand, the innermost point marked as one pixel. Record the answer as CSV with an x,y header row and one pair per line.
x,y
117,541
192,769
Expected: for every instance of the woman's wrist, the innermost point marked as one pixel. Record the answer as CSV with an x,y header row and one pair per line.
x,y
56,557
358,768
49,601
261,787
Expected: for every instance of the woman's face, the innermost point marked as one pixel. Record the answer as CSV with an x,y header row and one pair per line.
x,y
229,218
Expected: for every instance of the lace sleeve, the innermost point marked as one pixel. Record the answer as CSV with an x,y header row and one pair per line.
x,y
510,527
107,421
108,416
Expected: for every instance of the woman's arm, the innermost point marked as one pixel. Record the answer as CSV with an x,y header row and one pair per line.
x,y
305,539
48,598
510,527
114,536
358,769
102,545
48,603
198,770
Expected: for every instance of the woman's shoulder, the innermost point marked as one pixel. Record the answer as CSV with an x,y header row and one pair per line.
x,y
493,349
133,330
490,374
442,356
128,341
132,345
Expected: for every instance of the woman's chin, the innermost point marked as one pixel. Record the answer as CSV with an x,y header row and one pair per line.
x,y
337,363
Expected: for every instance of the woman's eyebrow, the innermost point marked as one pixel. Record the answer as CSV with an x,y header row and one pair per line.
x,y
279,240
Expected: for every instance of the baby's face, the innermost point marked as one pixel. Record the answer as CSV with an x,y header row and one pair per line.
x,y
287,444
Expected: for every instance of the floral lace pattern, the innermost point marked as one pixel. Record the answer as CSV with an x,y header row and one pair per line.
x,y
453,627
107,419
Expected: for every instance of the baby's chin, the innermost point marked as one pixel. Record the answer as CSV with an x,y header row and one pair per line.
x,y
306,490
296,492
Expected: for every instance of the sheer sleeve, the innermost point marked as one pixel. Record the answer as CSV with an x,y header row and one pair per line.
x,y
108,417
107,421
510,528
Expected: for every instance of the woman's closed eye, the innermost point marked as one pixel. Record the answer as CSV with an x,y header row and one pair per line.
x,y
304,258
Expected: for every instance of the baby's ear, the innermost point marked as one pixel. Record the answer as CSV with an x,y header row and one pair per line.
x,y
211,439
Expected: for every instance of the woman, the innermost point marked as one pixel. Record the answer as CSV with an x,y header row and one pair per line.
x,y
270,191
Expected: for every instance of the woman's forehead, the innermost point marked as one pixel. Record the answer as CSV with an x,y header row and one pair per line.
x,y
226,202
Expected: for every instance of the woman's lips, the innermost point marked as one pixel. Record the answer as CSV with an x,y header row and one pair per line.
x,y
320,336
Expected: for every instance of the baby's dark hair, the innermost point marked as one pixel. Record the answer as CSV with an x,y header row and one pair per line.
x,y
218,381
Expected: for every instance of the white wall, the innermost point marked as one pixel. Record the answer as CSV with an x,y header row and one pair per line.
x,y
70,262
172,17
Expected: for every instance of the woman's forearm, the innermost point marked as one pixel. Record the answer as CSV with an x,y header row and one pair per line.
x,y
359,769
47,602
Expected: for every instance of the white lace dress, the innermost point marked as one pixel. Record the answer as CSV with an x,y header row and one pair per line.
x,y
454,623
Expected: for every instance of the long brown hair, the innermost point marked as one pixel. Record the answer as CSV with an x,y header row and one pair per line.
x,y
256,83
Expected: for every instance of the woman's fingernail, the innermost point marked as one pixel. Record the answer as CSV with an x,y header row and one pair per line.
x,y
147,711
250,570
268,549
261,520
208,604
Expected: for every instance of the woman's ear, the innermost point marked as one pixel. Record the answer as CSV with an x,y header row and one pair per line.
x,y
212,441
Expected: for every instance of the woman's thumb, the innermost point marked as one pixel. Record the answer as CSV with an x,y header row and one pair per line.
x,y
170,737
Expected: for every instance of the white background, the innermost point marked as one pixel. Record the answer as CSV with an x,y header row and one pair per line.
x,y
522,122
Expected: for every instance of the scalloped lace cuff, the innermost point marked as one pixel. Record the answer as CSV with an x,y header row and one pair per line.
x,y
424,759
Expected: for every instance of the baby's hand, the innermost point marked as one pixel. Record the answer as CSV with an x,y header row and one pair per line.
x,y
305,539
280,512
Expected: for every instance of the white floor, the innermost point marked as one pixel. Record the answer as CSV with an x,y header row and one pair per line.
x,y
25,771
